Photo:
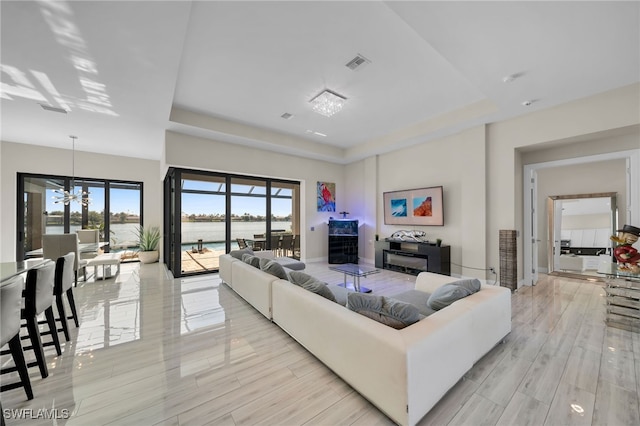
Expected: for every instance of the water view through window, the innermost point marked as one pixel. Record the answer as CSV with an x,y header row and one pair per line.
x,y
218,213
40,213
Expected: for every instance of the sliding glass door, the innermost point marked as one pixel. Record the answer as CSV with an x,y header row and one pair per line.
x,y
40,212
248,212
208,214
202,222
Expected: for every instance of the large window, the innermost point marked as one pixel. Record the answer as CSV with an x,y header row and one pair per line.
x,y
39,213
208,214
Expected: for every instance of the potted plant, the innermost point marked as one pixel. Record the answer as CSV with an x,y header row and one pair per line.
x,y
148,244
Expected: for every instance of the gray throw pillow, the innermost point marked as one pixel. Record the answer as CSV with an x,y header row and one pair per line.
x,y
385,310
473,285
273,268
417,298
238,253
311,284
251,260
449,293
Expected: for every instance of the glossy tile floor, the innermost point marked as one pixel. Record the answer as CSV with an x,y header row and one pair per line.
x,y
154,350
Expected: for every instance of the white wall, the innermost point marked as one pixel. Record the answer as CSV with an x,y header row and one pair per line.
x,y
430,164
607,111
205,154
16,157
600,177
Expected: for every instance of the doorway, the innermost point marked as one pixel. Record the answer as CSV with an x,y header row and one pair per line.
x,y
628,201
580,227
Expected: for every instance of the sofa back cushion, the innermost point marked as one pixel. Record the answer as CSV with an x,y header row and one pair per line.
x,y
417,298
449,293
385,310
251,260
311,284
238,253
274,268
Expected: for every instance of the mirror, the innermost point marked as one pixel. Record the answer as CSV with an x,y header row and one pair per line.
x,y
580,227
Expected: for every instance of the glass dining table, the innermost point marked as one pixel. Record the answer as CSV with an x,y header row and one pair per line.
x,y
11,269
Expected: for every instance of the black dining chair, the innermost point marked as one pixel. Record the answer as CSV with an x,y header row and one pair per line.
x,y
38,298
287,244
63,285
241,243
11,304
275,244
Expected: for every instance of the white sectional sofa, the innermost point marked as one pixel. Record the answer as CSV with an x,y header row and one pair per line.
x,y
402,372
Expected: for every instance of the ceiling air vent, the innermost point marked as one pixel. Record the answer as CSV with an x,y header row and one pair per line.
x,y
358,62
286,115
54,109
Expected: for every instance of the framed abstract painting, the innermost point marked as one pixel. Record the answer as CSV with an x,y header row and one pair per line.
x,y
326,197
422,206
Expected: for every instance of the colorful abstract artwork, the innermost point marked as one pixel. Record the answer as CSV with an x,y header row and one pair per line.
x,y
326,197
421,206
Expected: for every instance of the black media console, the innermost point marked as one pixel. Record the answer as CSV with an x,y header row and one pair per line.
x,y
413,257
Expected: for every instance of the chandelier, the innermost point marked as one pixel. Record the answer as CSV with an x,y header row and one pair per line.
x,y
327,103
66,197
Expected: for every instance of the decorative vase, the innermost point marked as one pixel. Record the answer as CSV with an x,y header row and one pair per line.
x,y
148,256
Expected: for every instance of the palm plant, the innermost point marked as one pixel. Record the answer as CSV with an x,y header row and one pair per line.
x,y
148,238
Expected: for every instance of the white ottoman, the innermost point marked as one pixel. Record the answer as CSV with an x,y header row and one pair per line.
x,y
106,259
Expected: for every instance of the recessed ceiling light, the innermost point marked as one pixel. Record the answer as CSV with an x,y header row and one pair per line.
x,y
286,115
328,103
528,103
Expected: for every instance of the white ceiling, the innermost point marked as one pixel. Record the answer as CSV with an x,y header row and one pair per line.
x,y
127,71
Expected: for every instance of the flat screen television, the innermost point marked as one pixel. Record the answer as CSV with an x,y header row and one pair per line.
x,y
422,206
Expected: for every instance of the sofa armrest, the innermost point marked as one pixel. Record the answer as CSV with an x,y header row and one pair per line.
x,y
225,268
254,286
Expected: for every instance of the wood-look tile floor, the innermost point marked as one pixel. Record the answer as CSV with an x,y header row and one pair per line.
x,y
155,350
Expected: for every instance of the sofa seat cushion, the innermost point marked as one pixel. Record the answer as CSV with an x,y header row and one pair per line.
x,y
311,284
449,293
418,299
293,264
385,310
274,268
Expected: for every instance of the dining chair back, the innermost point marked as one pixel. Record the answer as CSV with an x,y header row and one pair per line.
x,y
63,285
88,236
296,246
275,244
11,305
57,245
287,244
38,298
241,243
